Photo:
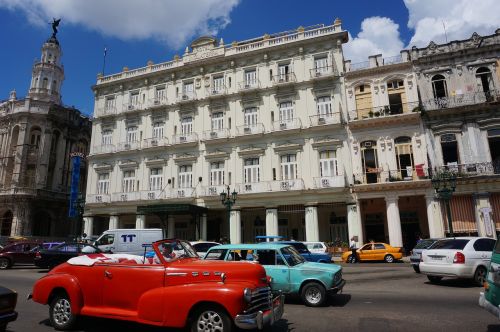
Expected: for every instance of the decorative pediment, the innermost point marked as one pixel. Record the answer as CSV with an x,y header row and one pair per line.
x,y
185,158
156,161
288,147
103,167
217,155
128,164
203,43
252,151
326,142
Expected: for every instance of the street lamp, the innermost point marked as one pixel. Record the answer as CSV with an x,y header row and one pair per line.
x,y
444,183
228,199
80,207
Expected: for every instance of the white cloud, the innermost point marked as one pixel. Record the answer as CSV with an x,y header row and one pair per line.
x,y
378,35
171,21
461,18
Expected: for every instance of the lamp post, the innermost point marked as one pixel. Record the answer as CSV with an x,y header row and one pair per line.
x,y
80,206
228,199
444,183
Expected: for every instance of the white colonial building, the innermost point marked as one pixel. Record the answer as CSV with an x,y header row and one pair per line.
x,y
265,117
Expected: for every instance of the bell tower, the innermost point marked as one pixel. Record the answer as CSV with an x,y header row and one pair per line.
x,y
48,73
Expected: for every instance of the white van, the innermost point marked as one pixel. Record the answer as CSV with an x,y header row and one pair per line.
x,y
128,241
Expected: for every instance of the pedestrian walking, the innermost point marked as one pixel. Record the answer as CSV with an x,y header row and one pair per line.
x,y
352,246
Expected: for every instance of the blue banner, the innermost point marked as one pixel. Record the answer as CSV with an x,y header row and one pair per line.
x,y
74,189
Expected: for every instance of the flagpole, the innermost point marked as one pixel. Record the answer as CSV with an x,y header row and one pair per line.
x,y
104,60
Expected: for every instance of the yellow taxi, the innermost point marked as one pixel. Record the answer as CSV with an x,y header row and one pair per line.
x,y
374,252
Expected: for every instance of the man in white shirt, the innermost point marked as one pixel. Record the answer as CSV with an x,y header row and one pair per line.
x,y
352,246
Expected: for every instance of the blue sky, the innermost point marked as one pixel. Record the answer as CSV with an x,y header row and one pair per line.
x,y
136,31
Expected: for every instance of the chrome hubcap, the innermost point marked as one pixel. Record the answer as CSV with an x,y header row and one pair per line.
x,y
313,295
481,276
62,311
389,259
210,321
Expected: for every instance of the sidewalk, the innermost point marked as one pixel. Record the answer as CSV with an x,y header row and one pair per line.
x,y
338,259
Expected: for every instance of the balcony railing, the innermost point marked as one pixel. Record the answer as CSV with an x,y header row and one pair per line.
x,y
157,102
329,182
377,175
183,192
249,85
284,79
132,107
101,149
459,100
213,190
186,96
98,199
360,65
325,119
254,187
257,128
321,72
470,170
106,111
127,146
185,138
287,124
386,110
150,195
220,91
392,60
154,142
287,185
126,197
215,134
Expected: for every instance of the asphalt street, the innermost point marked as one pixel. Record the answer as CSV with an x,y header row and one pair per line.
x,y
377,297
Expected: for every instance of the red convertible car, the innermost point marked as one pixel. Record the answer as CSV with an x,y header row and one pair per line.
x,y
173,289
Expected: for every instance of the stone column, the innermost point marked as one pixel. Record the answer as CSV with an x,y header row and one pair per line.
x,y
21,153
43,165
170,227
393,221
312,227
88,225
114,222
354,225
140,221
21,220
235,227
272,222
434,217
203,227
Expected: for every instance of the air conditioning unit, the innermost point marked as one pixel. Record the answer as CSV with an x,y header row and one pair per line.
x,y
247,130
126,146
213,134
283,125
131,107
182,138
321,120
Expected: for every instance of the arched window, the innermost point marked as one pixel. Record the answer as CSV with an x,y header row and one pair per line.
x,y
439,86
369,161
404,158
35,136
45,83
484,80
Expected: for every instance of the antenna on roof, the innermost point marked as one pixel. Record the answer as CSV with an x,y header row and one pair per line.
x,y
445,35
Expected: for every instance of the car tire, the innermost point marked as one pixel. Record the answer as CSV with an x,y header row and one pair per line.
x,y
210,318
416,268
313,294
61,317
480,276
5,263
389,259
434,279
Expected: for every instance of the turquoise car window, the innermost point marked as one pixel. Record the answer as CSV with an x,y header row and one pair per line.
x,y
267,257
497,248
233,256
216,254
292,256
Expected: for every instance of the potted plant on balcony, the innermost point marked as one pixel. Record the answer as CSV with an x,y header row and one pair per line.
x,y
370,114
377,113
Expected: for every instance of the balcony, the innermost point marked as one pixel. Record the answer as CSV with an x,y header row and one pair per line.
x,y
323,72
103,149
129,146
329,182
284,79
151,195
386,110
98,199
460,100
186,97
215,134
248,86
157,102
290,124
126,197
132,107
325,119
183,193
185,138
377,175
255,129
253,188
287,185
471,170
214,191
105,111
154,142
218,92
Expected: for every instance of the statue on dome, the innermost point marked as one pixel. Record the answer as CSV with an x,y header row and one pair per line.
x,y
55,24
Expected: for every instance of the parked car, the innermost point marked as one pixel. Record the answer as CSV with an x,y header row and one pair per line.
x,y
8,301
459,257
416,253
489,299
49,258
17,253
128,240
290,273
317,247
177,293
202,247
304,252
375,252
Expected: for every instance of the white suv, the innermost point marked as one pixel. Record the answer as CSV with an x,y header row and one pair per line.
x,y
459,257
316,247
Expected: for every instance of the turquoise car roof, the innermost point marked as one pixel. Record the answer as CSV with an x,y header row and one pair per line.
x,y
250,246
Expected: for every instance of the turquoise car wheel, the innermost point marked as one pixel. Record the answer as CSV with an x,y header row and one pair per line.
x,y
313,294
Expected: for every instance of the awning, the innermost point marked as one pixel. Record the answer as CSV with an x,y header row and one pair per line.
x,y
171,209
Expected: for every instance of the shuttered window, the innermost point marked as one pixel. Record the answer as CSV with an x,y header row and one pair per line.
x,y
462,214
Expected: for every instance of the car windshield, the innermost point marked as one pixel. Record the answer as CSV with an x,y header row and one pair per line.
x,y
457,244
424,244
292,256
300,247
174,249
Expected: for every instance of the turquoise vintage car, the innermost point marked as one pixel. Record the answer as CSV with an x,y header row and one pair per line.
x,y
289,271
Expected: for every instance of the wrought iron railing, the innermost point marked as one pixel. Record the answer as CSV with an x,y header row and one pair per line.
x,y
459,100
